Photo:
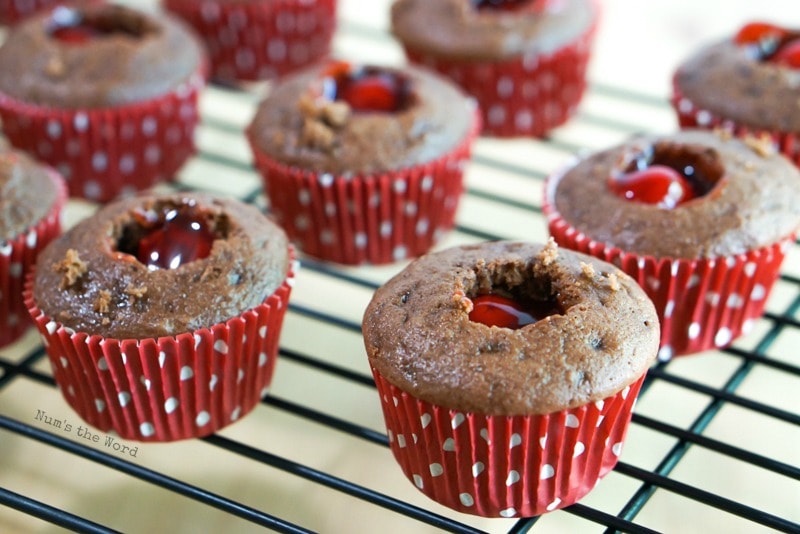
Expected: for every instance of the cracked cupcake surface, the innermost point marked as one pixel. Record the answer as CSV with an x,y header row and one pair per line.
x,y
601,337
99,277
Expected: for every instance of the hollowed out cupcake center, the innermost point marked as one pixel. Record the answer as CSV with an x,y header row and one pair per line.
x,y
169,235
770,43
666,174
509,5
76,27
367,88
508,296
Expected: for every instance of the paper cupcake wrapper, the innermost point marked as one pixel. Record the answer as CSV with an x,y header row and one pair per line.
x,y
703,303
505,466
263,39
528,96
103,153
692,116
367,219
17,259
171,388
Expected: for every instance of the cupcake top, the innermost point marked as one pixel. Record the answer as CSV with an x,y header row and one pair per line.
x,y
750,78
160,265
28,191
426,332
96,56
360,119
728,196
490,29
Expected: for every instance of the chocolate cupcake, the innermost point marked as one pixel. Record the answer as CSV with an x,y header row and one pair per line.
x,y
701,220
260,39
161,314
507,373
363,163
746,84
31,199
13,11
105,94
523,60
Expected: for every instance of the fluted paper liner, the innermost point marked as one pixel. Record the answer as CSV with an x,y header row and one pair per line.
x,y
17,258
263,39
703,303
690,115
373,219
525,96
105,152
505,466
171,388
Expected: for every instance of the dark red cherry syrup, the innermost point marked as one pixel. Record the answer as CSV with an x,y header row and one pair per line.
x,y
504,312
771,43
367,88
181,237
506,5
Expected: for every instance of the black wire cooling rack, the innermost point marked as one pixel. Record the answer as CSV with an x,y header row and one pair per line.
x,y
654,479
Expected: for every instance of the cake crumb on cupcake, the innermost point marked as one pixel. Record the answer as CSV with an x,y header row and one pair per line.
x,y
72,267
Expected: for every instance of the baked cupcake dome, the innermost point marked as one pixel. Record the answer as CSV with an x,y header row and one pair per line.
x,y
508,422
105,94
709,263
161,313
363,163
745,83
31,199
524,62
260,39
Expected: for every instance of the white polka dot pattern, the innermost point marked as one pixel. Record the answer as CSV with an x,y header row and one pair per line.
x,y
527,96
177,387
367,219
499,466
701,304
260,40
105,153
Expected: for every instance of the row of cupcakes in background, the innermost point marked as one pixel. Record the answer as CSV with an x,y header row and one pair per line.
x,y
143,388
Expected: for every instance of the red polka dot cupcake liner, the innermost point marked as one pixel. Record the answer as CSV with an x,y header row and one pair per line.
x,y
526,97
702,304
171,388
260,40
374,219
18,258
108,152
505,466
691,115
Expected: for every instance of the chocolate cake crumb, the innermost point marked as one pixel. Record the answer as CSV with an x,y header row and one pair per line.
x,y
135,293
102,303
336,113
761,145
317,135
588,270
55,67
462,300
613,281
72,267
723,133
549,253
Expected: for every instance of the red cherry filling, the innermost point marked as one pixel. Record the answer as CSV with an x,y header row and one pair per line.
x,y
72,27
659,184
503,5
504,312
771,43
666,174
367,88
168,236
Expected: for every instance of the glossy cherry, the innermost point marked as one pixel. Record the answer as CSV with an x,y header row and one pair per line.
x,y
77,35
788,54
504,312
367,88
656,184
758,32
180,238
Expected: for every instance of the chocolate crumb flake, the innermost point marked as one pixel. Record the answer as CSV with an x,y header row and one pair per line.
x,y
462,300
613,281
549,253
135,293
316,135
336,113
723,133
102,303
72,267
588,270
761,145
55,67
